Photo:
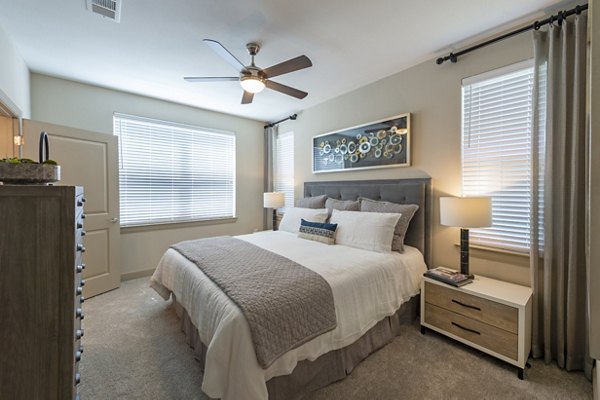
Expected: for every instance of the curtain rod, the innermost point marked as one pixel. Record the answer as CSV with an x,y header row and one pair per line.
x,y
559,17
272,124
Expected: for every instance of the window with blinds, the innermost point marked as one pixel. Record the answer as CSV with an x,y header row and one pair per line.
x,y
172,173
497,128
284,167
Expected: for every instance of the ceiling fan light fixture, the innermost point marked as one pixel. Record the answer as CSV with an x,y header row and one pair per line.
x,y
252,84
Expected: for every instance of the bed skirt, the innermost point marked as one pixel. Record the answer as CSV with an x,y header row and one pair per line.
x,y
309,376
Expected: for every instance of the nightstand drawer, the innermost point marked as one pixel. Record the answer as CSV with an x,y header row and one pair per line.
x,y
490,337
477,308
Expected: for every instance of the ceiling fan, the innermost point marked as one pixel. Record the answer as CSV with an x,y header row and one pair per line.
x,y
252,78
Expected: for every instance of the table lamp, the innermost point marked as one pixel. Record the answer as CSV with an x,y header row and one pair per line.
x,y
274,200
465,213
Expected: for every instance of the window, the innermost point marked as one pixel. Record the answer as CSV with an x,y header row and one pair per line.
x,y
170,172
284,167
497,128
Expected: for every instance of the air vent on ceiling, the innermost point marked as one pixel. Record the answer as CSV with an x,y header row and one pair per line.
x,y
107,8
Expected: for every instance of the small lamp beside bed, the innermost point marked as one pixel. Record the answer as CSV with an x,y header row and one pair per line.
x,y
465,213
274,200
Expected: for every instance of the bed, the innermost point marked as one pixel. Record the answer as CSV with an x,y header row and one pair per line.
x,y
371,303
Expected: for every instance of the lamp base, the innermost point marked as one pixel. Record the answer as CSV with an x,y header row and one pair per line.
x,y
464,252
274,219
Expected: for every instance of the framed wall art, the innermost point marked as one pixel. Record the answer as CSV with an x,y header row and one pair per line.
x,y
379,144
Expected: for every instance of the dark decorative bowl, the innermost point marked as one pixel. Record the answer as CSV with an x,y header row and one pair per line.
x,y
23,174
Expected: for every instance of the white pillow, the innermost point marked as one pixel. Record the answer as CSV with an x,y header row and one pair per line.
x,y
293,216
365,230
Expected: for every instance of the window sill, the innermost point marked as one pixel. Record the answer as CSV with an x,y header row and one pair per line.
x,y
495,250
177,225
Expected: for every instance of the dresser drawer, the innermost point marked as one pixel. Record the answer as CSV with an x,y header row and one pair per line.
x,y
477,308
482,334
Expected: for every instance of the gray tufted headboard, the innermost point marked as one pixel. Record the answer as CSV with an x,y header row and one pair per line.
x,y
403,191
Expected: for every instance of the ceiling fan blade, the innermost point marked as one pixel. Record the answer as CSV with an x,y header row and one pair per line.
x,y
211,78
225,54
290,91
285,67
247,97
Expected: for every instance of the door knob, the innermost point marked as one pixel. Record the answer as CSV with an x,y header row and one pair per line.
x,y
114,220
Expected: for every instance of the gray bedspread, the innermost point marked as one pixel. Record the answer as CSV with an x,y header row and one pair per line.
x,y
285,303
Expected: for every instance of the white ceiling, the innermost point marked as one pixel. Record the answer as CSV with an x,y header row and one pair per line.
x,y
350,42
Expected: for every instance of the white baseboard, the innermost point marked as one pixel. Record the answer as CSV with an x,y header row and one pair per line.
x,y
136,274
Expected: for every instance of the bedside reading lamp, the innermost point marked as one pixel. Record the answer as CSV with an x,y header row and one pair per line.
x,y
274,200
465,213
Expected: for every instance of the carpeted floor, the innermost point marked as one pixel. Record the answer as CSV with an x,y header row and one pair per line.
x,y
133,349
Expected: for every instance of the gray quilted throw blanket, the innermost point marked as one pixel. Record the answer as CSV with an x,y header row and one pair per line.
x,y
285,303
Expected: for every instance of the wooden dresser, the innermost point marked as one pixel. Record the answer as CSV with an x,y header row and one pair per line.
x,y
487,314
41,229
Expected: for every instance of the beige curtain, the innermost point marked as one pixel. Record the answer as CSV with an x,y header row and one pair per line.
x,y
560,324
270,136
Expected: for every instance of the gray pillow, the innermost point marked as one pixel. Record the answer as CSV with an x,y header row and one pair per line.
x,y
312,202
342,205
407,211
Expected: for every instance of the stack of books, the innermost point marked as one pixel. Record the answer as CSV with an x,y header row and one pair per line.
x,y
449,276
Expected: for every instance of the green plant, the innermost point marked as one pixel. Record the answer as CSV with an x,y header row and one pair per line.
x,y
16,160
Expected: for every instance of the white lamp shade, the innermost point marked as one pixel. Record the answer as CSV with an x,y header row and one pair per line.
x,y
466,212
252,84
274,199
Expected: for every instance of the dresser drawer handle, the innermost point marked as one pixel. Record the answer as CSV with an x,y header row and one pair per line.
x,y
78,333
79,225
466,329
77,378
77,356
466,305
80,203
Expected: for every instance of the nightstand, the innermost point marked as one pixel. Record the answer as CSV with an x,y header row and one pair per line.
x,y
487,314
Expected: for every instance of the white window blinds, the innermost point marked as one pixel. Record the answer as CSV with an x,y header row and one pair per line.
x,y
170,172
497,111
284,167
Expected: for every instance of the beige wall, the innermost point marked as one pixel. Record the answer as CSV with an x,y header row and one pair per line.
x,y
432,94
14,78
89,107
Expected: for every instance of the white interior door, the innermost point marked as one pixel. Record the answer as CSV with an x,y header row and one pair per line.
x,y
88,159
6,137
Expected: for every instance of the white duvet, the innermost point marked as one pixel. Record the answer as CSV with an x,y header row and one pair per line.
x,y
367,287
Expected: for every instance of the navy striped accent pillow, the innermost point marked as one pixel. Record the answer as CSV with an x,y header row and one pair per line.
x,y
319,232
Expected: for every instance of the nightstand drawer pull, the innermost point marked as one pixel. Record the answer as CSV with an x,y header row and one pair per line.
x,y
465,329
466,305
